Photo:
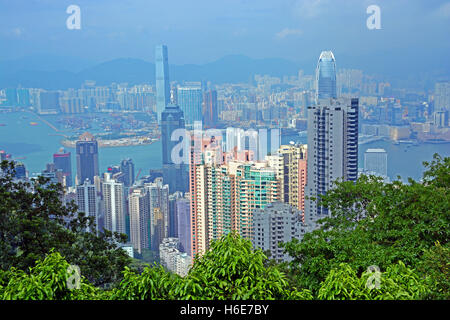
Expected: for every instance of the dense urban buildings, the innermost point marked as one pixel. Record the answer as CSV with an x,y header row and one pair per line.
x,y
237,175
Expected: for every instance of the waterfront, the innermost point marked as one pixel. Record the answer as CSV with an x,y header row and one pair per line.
x,y
37,143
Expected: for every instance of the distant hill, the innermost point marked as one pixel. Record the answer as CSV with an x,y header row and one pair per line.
x,y
41,73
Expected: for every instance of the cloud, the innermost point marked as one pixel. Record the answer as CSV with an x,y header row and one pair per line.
x,y
444,10
288,32
309,8
14,32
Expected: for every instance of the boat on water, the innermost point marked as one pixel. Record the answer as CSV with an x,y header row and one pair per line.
x,y
33,123
2,124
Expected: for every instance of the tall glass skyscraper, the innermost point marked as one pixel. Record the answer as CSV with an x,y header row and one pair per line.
x,y
190,100
175,175
162,79
326,76
127,168
87,158
63,162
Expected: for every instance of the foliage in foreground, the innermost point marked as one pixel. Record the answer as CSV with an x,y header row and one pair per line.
x,y
230,270
376,223
33,220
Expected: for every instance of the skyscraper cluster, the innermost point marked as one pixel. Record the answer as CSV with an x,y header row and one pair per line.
x,y
227,187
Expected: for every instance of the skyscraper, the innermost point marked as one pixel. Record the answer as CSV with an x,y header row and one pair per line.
x,y
162,79
127,168
326,76
290,164
139,207
224,192
88,202
63,162
375,162
190,102
275,224
183,211
158,227
210,116
332,150
113,205
87,158
174,174
159,204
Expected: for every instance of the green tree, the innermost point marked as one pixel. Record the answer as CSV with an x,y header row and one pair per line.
x,y
435,264
33,220
232,269
373,223
47,280
397,283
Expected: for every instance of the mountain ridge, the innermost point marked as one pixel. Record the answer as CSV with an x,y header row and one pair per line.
x,y
231,68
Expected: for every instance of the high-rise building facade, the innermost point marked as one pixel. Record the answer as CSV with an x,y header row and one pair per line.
x,y
190,102
224,192
442,96
277,223
162,79
375,162
210,115
87,158
183,211
290,163
114,204
174,174
88,201
63,162
127,168
326,76
157,229
158,205
139,210
332,150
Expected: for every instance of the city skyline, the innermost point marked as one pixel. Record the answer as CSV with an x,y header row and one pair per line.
x,y
286,150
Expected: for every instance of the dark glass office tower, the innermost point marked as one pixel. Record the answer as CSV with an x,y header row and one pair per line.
x,y
174,174
326,76
162,79
62,162
210,117
87,158
127,168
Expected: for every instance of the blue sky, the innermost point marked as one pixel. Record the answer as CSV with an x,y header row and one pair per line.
x,y
201,31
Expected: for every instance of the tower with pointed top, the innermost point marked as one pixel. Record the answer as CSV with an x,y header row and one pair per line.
x,y
326,76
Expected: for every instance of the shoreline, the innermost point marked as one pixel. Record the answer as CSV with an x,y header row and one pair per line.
x,y
110,143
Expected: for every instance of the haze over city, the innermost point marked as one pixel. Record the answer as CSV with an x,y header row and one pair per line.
x,y
224,150
411,41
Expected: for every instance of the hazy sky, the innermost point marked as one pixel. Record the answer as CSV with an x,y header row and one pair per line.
x,y
201,31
